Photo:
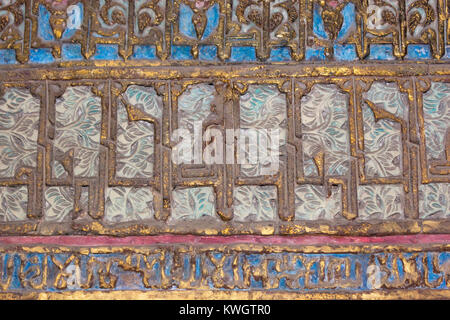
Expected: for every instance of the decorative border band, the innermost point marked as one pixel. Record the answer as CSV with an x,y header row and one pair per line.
x,y
181,271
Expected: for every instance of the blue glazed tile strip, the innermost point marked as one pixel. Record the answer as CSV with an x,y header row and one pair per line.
x,y
207,32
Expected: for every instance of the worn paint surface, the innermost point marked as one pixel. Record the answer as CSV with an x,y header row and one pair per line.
x,y
92,92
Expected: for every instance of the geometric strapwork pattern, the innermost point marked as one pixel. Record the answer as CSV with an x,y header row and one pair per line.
x,y
225,148
354,153
46,31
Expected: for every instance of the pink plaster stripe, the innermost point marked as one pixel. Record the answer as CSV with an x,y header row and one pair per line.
x,y
190,239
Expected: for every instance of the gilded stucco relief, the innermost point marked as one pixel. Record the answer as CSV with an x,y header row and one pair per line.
x,y
224,148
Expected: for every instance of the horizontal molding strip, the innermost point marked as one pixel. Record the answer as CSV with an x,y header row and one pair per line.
x,y
81,241
129,70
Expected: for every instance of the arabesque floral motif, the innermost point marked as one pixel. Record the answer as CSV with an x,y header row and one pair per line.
x,y
194,106
434,199
325,129
313,203
193,204
436,109
380,202
382,146
58,204
78,117
255,203
264,107
382,138
387,96
13,203
19,121
124,204
135,140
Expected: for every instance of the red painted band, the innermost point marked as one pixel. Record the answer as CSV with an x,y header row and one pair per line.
x,y
190,239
